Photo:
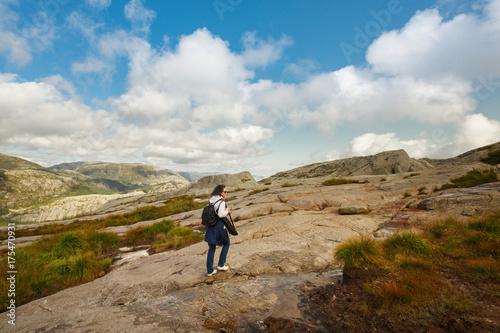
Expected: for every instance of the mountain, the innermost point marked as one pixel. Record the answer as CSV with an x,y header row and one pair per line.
x,y
15,163
133,175
24,184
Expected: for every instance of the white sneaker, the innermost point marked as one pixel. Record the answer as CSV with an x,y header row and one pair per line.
x,y
215,271
223,268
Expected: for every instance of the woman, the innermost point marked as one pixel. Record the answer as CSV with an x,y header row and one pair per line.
x,y
217,234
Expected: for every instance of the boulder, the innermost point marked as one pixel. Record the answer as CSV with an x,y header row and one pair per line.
x,y
354,208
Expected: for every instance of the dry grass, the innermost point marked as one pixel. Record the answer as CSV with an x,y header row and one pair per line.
x,y
339,181
420,266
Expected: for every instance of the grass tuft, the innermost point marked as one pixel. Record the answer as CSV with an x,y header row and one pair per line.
x,y
357,252
406,243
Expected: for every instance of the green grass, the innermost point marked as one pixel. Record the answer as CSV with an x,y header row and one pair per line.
x,y
471,179
419,267
339,181
55,263
357,251
493,157
164,235
406,243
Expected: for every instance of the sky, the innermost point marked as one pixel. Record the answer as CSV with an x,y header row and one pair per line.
x,y
224,86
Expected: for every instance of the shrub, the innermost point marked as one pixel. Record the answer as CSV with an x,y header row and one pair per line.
x,y
357,251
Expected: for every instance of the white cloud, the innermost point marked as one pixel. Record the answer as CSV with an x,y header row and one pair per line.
x,y
19,38
358,98
52,118
260,53
428,46
475,131
200,81
140,16
301,70
99,4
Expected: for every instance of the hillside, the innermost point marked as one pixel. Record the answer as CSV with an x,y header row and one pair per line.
x,y
133,175
26,187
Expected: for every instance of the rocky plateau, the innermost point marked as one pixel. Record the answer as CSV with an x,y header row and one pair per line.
x,y
289,226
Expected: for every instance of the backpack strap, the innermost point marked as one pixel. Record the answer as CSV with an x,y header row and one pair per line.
x,y
219,205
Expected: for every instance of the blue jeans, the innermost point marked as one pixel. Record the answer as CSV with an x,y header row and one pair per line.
x,y
211,254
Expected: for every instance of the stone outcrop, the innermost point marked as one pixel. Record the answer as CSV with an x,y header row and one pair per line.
x,y
207,183
386,163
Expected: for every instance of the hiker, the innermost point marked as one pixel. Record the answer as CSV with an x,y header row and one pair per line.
x,y
217,234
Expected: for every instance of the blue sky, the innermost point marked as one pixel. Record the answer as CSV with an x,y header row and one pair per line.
x,y
235,85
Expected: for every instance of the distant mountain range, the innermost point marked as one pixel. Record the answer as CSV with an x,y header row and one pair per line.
x,y
24,183
27,184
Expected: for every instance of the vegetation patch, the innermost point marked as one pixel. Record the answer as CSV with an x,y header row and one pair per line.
x,y
57,262
259,190
447,276
74,257
471,179
493,157
339,181
164,235
287,184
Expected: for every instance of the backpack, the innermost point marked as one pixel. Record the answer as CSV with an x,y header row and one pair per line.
x,y
208,216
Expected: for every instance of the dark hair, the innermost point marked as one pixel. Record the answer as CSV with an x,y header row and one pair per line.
x,y
218,190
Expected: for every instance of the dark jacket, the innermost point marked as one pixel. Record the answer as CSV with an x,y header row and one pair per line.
x,y
217,235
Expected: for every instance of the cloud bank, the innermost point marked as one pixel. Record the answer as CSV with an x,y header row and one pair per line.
x,y
201,104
